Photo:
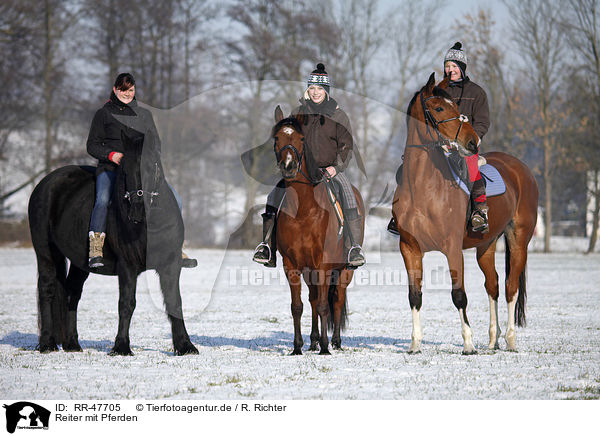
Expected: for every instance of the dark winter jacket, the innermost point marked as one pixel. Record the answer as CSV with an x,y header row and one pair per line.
x,y
472,102
327,132
108,123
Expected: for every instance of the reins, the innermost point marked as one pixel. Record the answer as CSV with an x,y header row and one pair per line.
x,y
299,158
442,142
129,195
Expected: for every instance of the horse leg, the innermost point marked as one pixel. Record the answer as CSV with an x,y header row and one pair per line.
x,y
169,284
49,288
322,279
293,276
486,258
127,288
413,260
459,297
516,259
74,288
313,293
339,305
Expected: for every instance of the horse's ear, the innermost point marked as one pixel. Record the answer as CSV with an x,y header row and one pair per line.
x,y
444,83
430,84
278,114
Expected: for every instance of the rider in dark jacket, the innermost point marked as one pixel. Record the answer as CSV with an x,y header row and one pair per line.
x,y
120,114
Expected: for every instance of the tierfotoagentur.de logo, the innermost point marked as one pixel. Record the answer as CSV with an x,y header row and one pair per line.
x,y
25,415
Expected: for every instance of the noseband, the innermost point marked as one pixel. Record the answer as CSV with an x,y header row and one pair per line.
x,y
430,119
130,195
299,157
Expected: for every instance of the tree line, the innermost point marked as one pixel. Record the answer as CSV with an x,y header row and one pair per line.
x,y
212,73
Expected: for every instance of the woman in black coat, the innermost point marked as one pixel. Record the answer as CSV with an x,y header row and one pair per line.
x,y
120,114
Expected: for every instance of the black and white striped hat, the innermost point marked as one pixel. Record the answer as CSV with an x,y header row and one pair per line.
x,y
320,77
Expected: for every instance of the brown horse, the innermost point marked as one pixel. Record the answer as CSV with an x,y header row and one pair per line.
x,y
308,239
431,212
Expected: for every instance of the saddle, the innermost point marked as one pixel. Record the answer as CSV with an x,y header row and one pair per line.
x,y
494,184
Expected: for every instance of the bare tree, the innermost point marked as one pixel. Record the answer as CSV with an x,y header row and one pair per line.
x,y
411,53
275,39
536,31
581,24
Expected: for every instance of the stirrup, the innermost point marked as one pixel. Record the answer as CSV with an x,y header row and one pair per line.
x,y
393,228
359,261
188,262
479,222
258,251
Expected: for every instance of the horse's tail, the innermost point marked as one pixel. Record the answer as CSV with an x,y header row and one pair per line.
x,y
332,296
509,238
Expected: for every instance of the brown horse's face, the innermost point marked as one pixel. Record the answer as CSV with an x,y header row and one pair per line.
x,y
289,148
441,117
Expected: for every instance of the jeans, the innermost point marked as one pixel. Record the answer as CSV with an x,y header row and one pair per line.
x,y
105,183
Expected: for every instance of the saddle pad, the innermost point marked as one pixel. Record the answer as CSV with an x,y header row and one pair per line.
x,y
494,185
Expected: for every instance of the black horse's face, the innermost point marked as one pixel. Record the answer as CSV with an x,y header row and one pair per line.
x,y
289,149
130,166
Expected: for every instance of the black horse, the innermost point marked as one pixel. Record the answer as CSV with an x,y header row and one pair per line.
x,y
144,231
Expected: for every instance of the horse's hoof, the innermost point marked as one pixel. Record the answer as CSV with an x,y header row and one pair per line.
x,y
121,351
296,352
186,349
325,353
414,351
313,347
337,346
469,352
47,348
72,347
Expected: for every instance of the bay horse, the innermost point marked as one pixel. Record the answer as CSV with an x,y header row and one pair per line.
x,y
431,210
308,239
144,231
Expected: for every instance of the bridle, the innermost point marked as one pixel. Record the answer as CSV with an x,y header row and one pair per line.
x,y
432,123
130,195
299,157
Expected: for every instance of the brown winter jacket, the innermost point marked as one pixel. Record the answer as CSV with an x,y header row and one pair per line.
x,y
327,132
472,102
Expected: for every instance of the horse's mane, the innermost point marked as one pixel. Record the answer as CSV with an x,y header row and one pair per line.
x,y
314,172
437,91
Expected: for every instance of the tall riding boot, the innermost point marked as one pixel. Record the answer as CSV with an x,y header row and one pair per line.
x,y
96,245
479,217
265,252
356,257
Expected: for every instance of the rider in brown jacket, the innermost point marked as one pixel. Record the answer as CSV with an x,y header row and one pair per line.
x,y
472,101
328,134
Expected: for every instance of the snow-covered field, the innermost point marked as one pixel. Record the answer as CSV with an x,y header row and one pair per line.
x,y
238,315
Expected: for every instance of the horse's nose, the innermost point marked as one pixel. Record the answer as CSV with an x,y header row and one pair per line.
x,y
473,145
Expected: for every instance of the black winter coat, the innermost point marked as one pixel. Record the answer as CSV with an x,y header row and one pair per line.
x,y
108,123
